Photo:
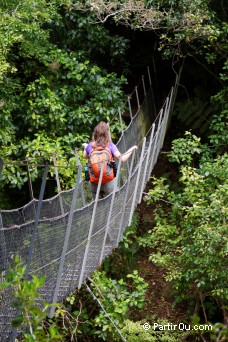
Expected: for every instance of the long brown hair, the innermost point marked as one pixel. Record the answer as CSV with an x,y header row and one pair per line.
x,y
101,134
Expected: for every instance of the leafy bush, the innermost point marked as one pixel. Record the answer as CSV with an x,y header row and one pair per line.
x,y
189,237
117,297
31,315
135,332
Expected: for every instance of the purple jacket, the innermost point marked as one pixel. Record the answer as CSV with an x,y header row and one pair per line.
x,y
112,147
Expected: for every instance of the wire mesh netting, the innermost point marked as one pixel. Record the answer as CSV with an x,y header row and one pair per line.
x,y
70,239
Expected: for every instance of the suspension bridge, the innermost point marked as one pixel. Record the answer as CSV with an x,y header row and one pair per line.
x,y
67,237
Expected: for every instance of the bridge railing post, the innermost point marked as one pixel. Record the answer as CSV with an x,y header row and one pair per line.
x,y
81,180
110,210
136,190
167,114
56,172
160,141
154,150
152,91
3,245
122,131
169,108
147,162
29,181
66,240
125,198
36,224
137,97
129,106
144,88
58,183
91,228
148,72
160,133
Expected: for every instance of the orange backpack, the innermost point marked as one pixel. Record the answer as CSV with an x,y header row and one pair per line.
x,y
96,158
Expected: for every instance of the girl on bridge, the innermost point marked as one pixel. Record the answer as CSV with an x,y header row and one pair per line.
x,y
99,150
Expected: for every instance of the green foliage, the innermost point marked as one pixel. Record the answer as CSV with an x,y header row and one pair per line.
x,y
199,24
52,91
134,332
219,332
128,247
117,297
184,149
94,40
39,151
189,237
31,315
128,237
73,322
73,98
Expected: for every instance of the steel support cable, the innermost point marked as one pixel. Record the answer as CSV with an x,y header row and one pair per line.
x,y
107,315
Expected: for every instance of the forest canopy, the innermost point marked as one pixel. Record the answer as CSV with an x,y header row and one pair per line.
x,y
53,86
